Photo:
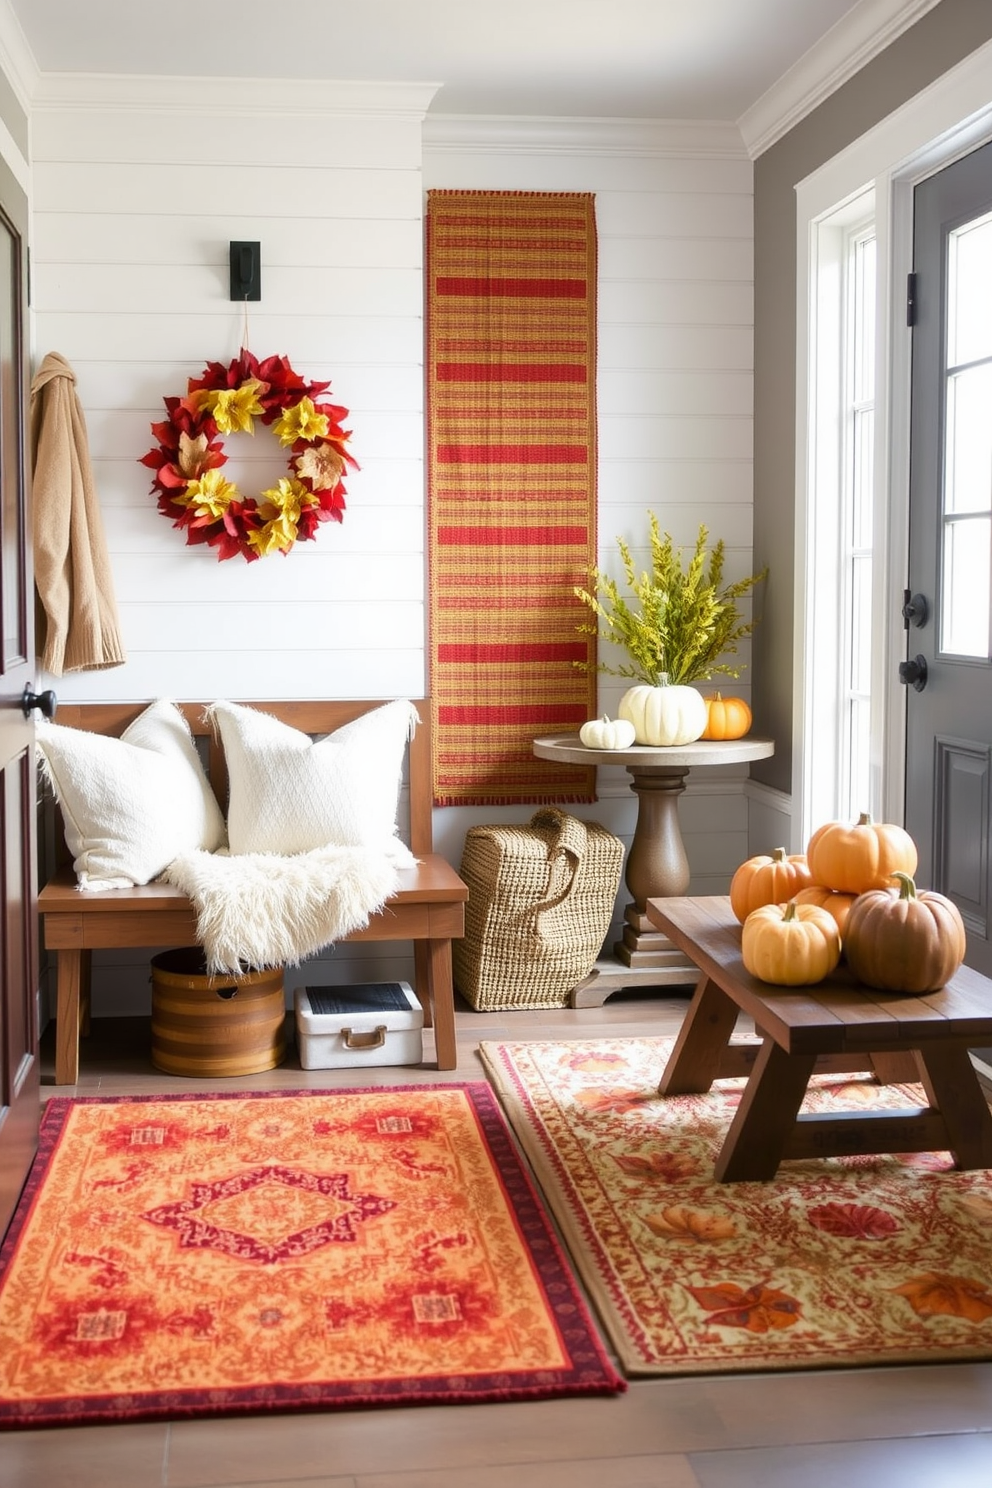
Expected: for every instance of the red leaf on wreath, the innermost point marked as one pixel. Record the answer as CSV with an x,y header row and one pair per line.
x,y
282,380
172,478
216,376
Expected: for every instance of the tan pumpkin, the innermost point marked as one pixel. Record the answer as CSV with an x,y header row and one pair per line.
x,y
836,904
726,718
767,879
853,859
904,939
790,945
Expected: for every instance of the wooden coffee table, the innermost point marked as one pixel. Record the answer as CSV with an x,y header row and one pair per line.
x,y
835,1025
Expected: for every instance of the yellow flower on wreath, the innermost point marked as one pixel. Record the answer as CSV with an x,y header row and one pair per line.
x,y
302,421
234,410
281,506
209,495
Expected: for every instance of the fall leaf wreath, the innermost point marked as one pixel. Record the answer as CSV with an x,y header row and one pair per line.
x,y
189,453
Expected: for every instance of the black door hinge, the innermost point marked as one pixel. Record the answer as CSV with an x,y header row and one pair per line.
x,y
911,299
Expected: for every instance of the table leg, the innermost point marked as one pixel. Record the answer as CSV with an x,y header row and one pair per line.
x,y
694,1063
656,864
766,1116
952,1087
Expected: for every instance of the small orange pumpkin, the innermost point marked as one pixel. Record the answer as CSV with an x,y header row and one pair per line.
x,y
836,904
853,859
792,945
905,939
767,880
726,718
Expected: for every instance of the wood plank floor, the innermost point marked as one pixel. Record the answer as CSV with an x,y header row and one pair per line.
x,y
866,1428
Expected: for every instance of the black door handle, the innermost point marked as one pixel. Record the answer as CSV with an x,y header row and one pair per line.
x,y
914,673
45,702
915,609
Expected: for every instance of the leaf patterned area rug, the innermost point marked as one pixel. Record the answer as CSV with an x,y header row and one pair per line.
x,y
842,1261
225,1254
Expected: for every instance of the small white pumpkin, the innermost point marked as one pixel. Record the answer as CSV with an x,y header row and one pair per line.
x,y
665,715
607,733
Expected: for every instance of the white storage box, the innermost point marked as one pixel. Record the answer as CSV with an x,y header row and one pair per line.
x,y
364,1023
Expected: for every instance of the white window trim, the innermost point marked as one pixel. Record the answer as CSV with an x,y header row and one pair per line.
x,y
825,625
950,118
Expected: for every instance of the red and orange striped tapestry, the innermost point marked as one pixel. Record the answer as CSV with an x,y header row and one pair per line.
x,y
511,417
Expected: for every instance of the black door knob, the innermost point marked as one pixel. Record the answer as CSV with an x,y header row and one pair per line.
x,y
916,609
914,672
45,702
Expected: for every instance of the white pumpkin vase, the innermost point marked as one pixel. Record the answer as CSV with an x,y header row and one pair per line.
x,y
664,715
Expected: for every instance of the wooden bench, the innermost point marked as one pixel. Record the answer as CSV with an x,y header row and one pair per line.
x,y
428,909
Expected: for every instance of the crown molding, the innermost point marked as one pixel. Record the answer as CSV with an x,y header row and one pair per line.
x,y
16,58
848,46
482,133
130,92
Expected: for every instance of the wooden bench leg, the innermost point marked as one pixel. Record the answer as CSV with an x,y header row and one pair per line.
x,y
442,991
422,977
85,993
951,1084
766,1117
694,1063
73,970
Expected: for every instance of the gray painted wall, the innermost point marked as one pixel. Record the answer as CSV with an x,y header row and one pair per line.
x,y
942,38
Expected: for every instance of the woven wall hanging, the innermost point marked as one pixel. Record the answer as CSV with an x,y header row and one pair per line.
x,y
511,418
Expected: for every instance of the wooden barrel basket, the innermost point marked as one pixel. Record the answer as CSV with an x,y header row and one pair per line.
x,y
214,1025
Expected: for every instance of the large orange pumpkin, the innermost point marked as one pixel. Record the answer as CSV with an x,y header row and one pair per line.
x,y
726,717
767,879
905,939
853,859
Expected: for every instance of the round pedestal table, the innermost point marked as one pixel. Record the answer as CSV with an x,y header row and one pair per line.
x,y
656,865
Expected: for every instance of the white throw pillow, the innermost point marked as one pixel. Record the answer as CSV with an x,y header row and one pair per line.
x,y
130,805
291,794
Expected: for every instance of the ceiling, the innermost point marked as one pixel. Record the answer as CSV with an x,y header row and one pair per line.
x,y
662,59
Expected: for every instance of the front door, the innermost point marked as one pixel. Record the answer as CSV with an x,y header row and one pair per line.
x,y
19,1064
948,611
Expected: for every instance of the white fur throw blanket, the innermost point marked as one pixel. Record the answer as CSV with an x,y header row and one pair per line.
x,y
260,910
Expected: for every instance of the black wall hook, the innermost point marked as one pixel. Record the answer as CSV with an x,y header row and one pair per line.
x,y
246,271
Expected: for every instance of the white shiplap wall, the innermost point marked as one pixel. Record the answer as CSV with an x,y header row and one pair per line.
x,y
137,195
138,186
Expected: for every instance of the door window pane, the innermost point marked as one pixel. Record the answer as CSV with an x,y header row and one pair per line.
x,y
966,559
969,292
968,465
965,589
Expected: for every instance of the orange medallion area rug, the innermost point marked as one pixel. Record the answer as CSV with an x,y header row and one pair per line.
x,y
214,1255
843,1261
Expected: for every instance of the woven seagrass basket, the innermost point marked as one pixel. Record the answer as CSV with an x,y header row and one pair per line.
x,y
540,902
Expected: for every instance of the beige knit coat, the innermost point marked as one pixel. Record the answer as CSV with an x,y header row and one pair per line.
x,y
71,566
